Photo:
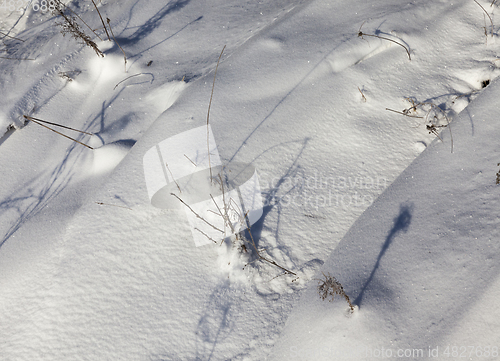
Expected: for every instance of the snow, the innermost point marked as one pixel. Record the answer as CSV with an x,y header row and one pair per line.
x,y
96,264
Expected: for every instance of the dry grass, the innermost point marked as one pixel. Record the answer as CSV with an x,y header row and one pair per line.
x,y
329,287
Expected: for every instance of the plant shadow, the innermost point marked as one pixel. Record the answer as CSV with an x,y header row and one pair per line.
x,y
401,224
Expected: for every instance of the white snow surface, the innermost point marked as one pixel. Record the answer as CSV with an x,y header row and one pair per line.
x,y
406,220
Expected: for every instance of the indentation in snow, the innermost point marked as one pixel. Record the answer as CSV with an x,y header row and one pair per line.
x,y
107,157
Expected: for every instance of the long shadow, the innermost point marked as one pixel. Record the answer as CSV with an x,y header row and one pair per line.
x,y
33,197
125,41
282,100
216,323
59,178
154,22
273,199
401,224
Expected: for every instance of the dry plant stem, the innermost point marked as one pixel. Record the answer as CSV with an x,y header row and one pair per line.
x,y
414,107
70,25
190,160
78,16
130,77
196,214
330,286
177,184
227,222
208,113
394,41
102,21
489,17
361,34
407,115
217,206
362,95
258,253
206,235
124,55
247,221
57,125
112,205
225,215
55,131
433,106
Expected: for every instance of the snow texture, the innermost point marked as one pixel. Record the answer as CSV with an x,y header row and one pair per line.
x,y
400,208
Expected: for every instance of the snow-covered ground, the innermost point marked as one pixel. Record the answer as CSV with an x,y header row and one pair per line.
x,y
99,262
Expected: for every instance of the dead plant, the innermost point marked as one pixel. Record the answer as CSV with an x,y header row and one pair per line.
x,y
69,25
433,116
361,34
329,287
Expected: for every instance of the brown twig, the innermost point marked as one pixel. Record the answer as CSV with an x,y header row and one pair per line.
x,y
196,214
83,21
190,160
102,21
402,113
132,77
362,95
432,128
208,113
361,34
177,184
57,125
489,17
124,55
112,205
270,261
71,26
55,131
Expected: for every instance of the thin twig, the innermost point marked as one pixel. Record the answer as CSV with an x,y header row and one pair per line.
x,y
71,26
131,77
408,115
124,55
206,235
363,96
489,17
102,21
190,160
113,205
217,206
257,251
83,21
361,34
208,113
55,131
179,188
196,214
432,128
57,125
